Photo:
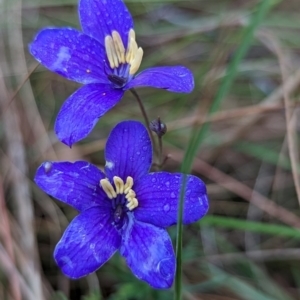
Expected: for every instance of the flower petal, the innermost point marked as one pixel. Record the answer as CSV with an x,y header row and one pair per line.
x,y
149,254
71,54
100,17
128,151
176,79
81,111
158,195
76,184
89,241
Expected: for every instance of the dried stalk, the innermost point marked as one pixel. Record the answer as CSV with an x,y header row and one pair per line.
x,y
21,195
5,233
245,192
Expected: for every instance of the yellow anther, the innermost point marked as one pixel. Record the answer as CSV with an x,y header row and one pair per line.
x,y
131,194
132,203
108,188
120,49
111,52
119,184
117,53
120,188
136,62
131,49
128,185
131,34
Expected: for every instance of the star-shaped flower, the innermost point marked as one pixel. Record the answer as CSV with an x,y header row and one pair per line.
x,y
104,57
126,208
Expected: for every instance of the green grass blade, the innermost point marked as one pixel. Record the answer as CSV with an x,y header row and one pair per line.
x,y
178,284
195,142
257,227
197,137
239,287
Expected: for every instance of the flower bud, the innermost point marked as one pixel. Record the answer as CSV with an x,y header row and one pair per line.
x,y
158,127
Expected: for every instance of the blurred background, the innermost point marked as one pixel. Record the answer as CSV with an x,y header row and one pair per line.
x,y
245,56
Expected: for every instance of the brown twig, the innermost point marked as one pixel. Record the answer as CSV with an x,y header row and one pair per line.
x,y
229,20
5,232
245,124
228,115
19,88
242,190
257,255
290,120
10,270
20,189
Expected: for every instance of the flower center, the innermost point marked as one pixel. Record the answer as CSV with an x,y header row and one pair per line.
x,y
121,194
125,61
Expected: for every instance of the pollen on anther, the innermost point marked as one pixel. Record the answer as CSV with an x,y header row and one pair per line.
x,y
117,54
120,188
136,62
111,52
132,203
128,185
119,184
120,49
130,194
108,188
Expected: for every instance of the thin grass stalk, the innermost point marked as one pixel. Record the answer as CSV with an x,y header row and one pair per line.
x,y
232,70
5,234
146,118
198,137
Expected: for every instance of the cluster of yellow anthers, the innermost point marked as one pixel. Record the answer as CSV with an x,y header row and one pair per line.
x,y
121,188
117,54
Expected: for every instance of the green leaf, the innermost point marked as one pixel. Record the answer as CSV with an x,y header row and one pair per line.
x,y
258,227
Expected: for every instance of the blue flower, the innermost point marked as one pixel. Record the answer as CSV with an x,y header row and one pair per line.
x,y
126,208
105,58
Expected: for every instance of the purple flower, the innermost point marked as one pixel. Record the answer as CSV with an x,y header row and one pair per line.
x,y
104,57
125,209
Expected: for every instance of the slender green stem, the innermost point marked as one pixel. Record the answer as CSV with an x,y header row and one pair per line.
x,y
160,145
160,152
144,113
231,73
178,281
198,136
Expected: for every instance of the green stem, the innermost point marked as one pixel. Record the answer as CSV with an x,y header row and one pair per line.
x,y
198,136
232,70
144,113
160,152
